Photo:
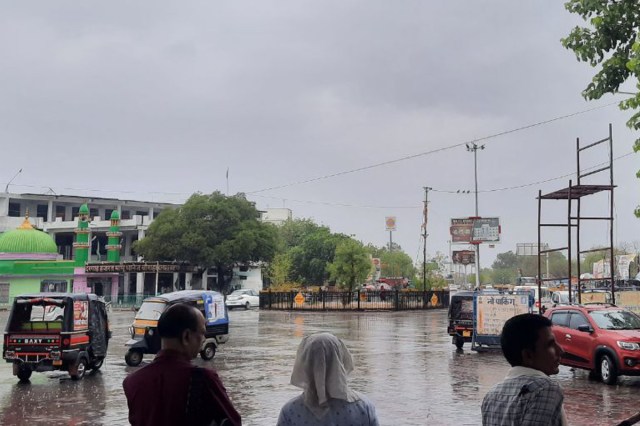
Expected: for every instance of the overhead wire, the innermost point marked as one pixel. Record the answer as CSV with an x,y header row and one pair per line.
x,y
432,151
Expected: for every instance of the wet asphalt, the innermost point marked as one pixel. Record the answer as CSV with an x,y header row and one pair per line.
x,y
404,362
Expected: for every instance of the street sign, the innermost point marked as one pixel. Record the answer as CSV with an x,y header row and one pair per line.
x,y
299,299
529,249
390,223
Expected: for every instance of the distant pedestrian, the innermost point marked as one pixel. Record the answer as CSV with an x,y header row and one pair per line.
x,y
321,368
171,391
527,396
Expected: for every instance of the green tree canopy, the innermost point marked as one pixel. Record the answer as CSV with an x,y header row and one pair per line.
x,y
309,249
611,41
210,231
395,263
351,264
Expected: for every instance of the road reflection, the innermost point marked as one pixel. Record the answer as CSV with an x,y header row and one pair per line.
x,y
404,362
54,398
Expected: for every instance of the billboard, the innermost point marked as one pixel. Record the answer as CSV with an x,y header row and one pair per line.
x,y
475,230
530,249
390,223
486,229
461,230
464,257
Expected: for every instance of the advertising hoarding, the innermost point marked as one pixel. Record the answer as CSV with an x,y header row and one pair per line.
x,y
486,229
461,230
464,257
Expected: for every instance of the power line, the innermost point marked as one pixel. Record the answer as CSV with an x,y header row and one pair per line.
x,y
433,151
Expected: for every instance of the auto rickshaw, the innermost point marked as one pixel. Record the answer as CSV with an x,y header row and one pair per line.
x,y
144,330
56,331
461,318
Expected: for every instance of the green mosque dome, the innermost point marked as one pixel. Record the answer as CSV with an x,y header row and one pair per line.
x,y
27,239
84,209
115,215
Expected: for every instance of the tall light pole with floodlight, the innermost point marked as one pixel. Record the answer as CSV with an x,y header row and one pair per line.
x,y
474,147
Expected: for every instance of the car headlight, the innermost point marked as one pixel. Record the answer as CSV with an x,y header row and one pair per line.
x,y
630,346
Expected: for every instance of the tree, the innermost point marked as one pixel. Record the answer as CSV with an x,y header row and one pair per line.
x,y
310,248
351,264
210,231
507,260
612,41
280,269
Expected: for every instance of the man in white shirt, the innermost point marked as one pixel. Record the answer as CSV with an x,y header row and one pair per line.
x,y
527,396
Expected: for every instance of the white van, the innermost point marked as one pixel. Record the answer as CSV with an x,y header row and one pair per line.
x,y
533,289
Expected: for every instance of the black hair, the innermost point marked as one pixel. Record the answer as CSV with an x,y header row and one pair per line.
x,y
519,333
177,318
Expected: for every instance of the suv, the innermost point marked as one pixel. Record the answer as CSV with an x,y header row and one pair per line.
x,y
602,338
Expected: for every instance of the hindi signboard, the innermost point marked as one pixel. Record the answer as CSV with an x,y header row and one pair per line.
x,y
493,310
461,230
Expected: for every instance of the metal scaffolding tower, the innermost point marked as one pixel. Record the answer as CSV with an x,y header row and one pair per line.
x,y
573,194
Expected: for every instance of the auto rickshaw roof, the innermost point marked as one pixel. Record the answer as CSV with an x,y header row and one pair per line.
x,y
73,296
183,295
463,294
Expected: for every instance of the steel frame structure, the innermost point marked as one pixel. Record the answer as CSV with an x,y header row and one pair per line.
x,y
574,194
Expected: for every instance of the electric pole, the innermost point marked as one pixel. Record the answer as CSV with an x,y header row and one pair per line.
x,y
424,235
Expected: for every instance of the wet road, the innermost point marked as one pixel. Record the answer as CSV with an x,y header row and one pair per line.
x,y
404,362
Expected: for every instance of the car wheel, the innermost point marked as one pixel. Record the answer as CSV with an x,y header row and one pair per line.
x,y
24,372
208,352
229,308
97,364
133,358
608,371
459,341
81,368
247,306
59,318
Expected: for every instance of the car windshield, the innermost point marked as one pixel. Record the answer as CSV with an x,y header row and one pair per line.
x,y
564,297
151,310
240,292
616,320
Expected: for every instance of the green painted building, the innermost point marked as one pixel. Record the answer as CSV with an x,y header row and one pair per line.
x,y
29,263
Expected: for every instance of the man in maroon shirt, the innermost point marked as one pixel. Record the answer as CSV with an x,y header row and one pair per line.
x,y
171,391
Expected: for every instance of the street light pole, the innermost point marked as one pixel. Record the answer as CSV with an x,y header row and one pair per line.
x,y
474,147
6,188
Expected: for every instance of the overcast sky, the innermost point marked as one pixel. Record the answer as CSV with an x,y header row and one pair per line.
x,y
154,100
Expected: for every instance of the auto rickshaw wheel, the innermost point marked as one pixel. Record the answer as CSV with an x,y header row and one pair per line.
x,y
247,306
24,372
208,352
133,358
97,364
459,341
81,369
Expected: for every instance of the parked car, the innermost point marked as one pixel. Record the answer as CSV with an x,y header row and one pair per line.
x,y
601,338
243,298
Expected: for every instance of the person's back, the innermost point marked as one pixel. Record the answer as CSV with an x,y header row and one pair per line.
x,y
170,391
321,368
339,413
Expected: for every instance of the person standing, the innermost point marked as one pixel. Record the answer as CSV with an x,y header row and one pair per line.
x,y
527,396
320,369
170,390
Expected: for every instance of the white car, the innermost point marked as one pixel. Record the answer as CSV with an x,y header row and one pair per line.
x,y
244,298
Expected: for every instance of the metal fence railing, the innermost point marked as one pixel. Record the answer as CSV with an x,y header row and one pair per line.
x,y
394,300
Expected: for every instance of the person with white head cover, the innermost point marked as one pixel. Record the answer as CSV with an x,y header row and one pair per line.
x,y
320,370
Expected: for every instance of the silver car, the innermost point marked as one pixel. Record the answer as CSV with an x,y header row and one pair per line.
x,y
243,298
